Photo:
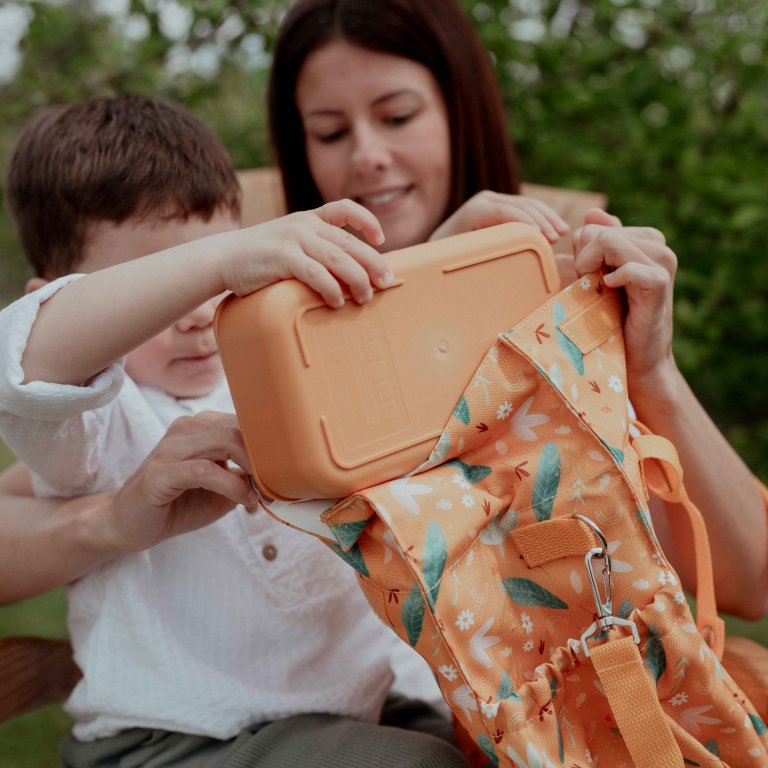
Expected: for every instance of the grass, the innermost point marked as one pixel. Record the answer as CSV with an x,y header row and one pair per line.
x,y
31,741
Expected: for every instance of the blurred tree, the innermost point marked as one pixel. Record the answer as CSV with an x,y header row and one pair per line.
x,y
660,105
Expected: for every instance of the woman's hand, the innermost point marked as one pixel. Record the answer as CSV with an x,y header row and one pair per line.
x,y
485,209
638,260
185,483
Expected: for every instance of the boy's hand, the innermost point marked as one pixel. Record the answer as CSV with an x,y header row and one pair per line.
x,y
313,247
184,484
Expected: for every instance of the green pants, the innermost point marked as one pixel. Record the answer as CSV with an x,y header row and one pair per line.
x,y
410,735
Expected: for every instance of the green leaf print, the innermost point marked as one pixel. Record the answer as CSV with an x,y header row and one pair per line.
x,y
624,609
546,482
615,452
571,350
461,411
506,689
758,725
353,557
435,555
473,473
485,743
655,657
348,533
413,615
713,747
527,592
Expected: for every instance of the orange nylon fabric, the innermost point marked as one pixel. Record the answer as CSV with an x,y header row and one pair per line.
x,y
542,433
635,705
667,483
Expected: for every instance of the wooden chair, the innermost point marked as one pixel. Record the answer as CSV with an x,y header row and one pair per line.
x,y
263,198
36,671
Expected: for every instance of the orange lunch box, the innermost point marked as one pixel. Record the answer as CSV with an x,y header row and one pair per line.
x,y
334,400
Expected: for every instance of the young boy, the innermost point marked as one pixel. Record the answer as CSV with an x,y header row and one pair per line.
x,y
237,623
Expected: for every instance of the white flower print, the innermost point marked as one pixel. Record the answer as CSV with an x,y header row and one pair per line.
x,y
614,382
679,597
489,708
503,411
449,672
671,580
468,501
465,619
585,283
679,699
662,578
525,620
460,481
528,645
444,504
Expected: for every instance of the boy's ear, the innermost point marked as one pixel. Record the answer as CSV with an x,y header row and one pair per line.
x,y
34,283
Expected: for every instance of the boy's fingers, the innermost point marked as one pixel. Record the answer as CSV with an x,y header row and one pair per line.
x,y
343,213
375,269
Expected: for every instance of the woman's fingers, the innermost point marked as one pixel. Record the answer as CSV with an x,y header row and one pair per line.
x,y
613,246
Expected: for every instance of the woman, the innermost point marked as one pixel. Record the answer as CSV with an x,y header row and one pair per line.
x,y
362,106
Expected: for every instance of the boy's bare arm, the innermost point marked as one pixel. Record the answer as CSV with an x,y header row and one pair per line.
x,y
92,322
182,485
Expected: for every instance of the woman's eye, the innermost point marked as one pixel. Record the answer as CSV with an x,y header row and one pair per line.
x,y
329,138
399,119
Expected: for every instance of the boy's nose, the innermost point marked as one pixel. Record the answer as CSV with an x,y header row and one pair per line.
x,y
199,318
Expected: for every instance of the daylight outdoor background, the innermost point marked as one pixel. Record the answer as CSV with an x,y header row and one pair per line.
x,y
661,105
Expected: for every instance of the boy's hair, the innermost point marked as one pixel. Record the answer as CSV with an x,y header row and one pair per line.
x,y
435,33
111,160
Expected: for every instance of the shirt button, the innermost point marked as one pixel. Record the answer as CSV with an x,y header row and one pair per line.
x,y
269,551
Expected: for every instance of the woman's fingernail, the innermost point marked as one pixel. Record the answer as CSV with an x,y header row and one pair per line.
x,y
366,295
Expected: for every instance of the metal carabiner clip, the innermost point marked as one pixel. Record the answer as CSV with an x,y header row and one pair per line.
x,y
603,602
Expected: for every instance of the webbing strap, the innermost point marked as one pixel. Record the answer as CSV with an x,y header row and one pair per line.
x,y
663,476
552,539
635,704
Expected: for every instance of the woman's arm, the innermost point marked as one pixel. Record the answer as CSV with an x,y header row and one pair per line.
x,y
716,478
184,484
723,489
45,542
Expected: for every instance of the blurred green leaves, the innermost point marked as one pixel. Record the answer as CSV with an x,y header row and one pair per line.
x,y
660,105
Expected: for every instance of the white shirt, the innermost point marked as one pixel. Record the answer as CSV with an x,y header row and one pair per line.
x,y
241,622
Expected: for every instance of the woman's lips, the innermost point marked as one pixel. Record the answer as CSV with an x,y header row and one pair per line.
x,y
384,201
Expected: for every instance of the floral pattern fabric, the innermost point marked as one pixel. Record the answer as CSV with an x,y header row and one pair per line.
x,y
541,433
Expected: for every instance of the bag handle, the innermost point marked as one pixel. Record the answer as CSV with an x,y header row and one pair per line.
x,y
663,476
635,704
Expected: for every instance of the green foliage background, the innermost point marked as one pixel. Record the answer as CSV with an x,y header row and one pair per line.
x,y
661,105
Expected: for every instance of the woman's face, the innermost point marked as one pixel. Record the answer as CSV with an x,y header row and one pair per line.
x,y
377,132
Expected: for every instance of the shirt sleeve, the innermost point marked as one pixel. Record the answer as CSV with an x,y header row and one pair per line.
x,y
60,431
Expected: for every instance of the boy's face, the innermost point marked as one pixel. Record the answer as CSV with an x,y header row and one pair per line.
x,y
182,361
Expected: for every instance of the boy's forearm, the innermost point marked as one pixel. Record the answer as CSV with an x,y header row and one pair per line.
x,y
91,322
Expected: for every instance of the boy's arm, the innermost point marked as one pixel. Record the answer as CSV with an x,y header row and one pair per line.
x,y
180,486
92,322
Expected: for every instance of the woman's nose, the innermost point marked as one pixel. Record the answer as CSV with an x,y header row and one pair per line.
x,y
199,318
370,152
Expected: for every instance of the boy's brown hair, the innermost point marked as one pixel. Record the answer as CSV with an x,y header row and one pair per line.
x,y
111,160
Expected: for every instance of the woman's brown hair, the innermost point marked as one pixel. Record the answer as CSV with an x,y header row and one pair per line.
x,y
111,160
434,33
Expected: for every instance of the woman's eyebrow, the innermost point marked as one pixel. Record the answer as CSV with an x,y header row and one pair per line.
x,y
375,103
